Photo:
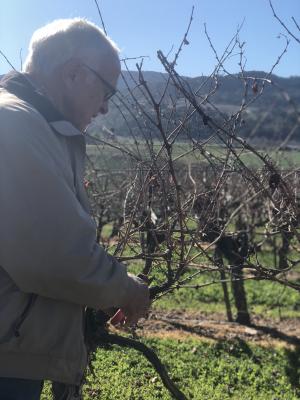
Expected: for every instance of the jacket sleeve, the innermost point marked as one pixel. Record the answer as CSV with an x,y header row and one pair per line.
x,y
47,240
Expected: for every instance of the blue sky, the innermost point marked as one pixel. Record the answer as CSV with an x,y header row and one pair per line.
x,y
141,27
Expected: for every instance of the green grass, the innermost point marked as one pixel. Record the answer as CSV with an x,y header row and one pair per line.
x,y
218,371
265,298
108,157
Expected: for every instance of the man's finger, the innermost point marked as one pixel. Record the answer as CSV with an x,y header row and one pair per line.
x,y
118,318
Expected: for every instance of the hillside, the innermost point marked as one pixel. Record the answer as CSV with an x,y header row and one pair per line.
x,y
271,115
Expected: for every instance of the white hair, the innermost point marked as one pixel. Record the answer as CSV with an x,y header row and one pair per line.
x,y
61,40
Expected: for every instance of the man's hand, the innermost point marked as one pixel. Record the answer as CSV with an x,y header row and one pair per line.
x,y
138,301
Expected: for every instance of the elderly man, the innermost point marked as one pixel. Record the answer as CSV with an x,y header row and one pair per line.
x,y
51,267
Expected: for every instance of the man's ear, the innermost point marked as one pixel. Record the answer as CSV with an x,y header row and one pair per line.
x,y
72,72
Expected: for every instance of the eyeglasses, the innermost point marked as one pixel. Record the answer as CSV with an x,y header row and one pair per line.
x,y
111,90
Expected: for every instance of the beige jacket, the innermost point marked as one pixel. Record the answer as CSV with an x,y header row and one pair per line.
x,y
47,248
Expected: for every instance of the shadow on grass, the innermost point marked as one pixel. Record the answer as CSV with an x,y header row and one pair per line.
x,y
196,330
210,333
237,348
293,368
276,334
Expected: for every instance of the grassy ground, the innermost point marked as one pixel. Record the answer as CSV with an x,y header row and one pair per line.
x,y
112,158
202,370
265,298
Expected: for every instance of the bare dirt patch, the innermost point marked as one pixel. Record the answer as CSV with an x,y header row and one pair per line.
x,y
186,324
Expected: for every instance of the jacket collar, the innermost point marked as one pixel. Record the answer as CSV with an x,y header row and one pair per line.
x,y
19,85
